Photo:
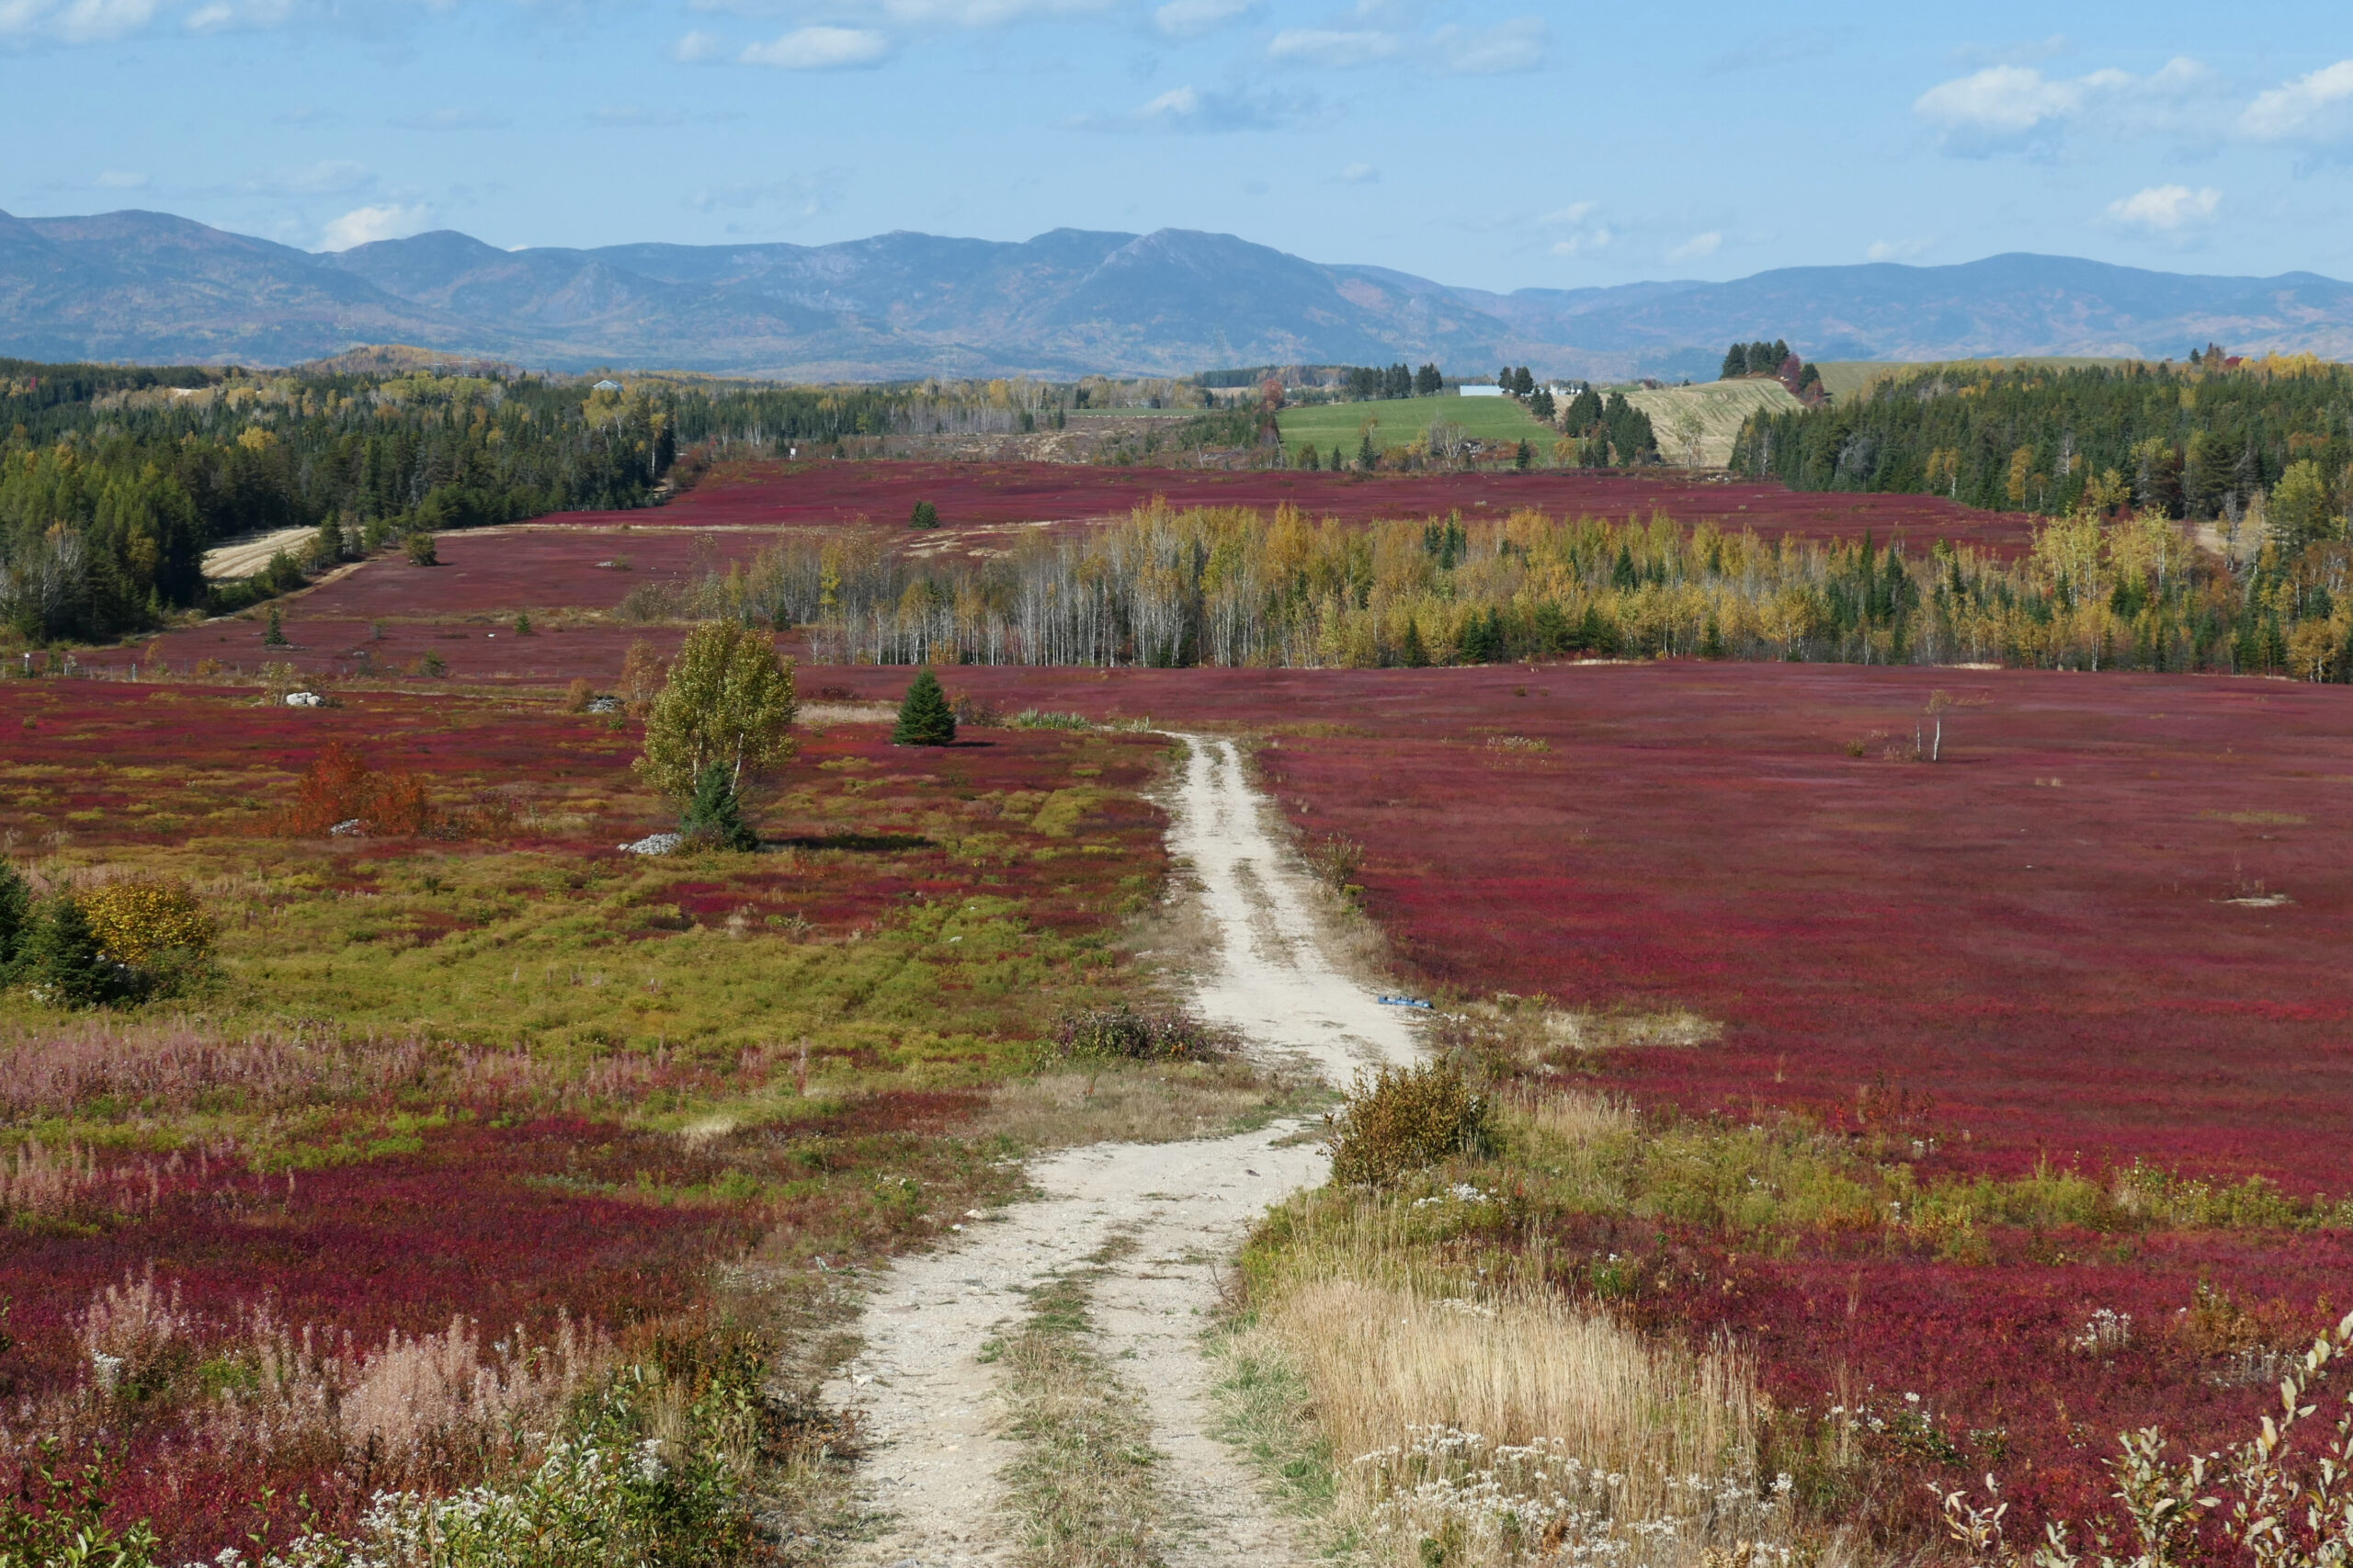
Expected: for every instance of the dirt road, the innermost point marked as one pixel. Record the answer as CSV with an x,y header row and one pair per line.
x,y
929,1401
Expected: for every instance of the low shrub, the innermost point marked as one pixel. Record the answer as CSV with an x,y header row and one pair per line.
x,y
1127,1033
1044,719
579,695
149,921
1405,1119
339,787
422,551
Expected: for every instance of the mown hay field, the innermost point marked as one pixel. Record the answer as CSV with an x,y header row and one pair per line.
x,y
1397,422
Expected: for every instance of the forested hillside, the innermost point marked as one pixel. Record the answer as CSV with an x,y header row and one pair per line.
x,y
114,480
2206,440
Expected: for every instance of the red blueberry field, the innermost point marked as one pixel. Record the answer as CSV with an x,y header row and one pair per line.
x,y
2108,926
976,493
439,1077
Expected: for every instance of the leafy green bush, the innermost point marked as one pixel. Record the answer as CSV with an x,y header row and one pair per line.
x,y
1042,718
1405,1119
1124,1032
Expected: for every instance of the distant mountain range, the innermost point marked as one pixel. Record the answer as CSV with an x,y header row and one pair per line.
x,y
149,287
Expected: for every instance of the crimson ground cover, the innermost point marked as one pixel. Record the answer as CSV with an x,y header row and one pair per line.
x,y
968,494
2027,954
2034,931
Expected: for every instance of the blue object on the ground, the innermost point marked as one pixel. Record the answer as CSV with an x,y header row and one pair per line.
x,y
1405,1001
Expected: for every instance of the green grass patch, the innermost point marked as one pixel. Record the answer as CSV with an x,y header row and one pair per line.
x,y
1397,421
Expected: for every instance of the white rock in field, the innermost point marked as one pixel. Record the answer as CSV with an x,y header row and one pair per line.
x,y
656,843
348,828
305,699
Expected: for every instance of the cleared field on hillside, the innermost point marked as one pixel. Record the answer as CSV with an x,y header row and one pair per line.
x,y
1844,378
1696,425
1397,421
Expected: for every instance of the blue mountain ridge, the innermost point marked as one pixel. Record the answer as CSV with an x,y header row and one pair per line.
x,y
151,287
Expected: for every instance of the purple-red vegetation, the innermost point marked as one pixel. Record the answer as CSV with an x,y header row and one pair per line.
x,y
2107,925
978,493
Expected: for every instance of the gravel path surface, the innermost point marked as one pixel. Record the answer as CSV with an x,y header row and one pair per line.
x,y
927,1400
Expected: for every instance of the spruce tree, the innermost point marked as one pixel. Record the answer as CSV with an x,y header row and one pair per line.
x,y
60,958
15,915
927,516
276,636
715,817
925,718
1365,455
1413,654
1735,363
1338,462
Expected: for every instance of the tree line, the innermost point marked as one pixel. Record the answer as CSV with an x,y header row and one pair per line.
x,y
2213,441
114,481
1230,586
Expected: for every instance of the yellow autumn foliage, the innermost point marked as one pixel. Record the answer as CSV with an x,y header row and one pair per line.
x,y
140,919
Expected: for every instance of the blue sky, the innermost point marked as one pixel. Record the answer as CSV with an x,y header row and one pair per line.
x,y
1501,145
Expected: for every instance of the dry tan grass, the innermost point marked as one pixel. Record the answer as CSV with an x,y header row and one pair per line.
x,y
1572,1118
1383,1359
1137,1104
1697,425
823,713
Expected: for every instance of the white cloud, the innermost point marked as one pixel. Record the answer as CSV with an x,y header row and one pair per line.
x,y
1516,45
76,21
820,48
1192,18
451,118
1586,237
2009,99
122,179
2165,208
699,47
1339,49
1189,109
1358,173
1698,245
2309,104
2009,103
1176,103
365,225
1894,250
210,18
984,13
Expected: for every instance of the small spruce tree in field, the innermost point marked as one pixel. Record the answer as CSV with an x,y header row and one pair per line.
x,y
1414,655
16,916
925,718
1338,462
927,516
61,957
523,624
276,636
714,817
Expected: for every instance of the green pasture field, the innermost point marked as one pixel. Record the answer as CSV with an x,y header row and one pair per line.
x,y
1844,378
1399,420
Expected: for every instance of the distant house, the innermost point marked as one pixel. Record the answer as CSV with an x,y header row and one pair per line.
x,y
607,386
1472,388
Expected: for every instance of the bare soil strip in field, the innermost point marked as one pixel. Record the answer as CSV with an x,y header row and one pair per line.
x,y
1125,1240
245,557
